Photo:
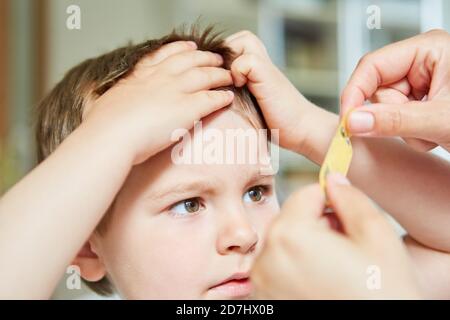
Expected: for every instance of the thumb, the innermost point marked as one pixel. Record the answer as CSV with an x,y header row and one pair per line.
x,y
306,204
249,66
417,119
355,211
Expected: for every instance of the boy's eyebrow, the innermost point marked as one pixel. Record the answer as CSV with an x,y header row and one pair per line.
x,y
203,185
262,178
197,185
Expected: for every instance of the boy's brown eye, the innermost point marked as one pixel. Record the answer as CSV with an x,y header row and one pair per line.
x,y
188,207
255,194
191,205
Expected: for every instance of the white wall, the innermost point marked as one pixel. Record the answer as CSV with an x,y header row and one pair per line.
x,y
105,25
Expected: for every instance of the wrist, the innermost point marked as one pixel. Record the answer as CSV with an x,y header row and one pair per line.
x,y
107,143
315,130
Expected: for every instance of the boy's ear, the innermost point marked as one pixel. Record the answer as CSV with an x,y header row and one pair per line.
x,y
91,266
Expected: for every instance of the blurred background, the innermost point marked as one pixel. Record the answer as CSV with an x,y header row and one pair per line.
x,y
317,43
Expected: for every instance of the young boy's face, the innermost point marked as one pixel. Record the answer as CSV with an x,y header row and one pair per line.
x,y
181,231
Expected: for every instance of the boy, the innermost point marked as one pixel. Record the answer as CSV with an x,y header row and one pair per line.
x,y
174,230
101,166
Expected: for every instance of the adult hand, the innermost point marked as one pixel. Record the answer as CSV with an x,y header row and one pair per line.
x,y
304,258
408,83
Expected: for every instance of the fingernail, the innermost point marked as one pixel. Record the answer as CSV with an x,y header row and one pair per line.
x,y
361,122
337,178
219,57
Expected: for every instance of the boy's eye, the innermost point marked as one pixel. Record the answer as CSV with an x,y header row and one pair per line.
x,y
186,207
255,194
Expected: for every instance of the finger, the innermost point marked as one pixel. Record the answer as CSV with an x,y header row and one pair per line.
x,y
355,211
401,86
249,67
205,78
304,205
424,120
181,62
398,94
417,59
166,51
379,68
246,42
205,102
389,95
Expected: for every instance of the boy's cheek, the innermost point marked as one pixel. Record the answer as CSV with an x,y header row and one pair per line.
x,y
163,260
264,219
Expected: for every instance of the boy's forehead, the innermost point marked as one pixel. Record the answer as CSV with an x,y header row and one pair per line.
x,y
162,167
216,130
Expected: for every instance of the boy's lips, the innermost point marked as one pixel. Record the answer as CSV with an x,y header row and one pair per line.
x,y
237,285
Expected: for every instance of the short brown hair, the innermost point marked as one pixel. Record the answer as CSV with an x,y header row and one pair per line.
x,y
61,111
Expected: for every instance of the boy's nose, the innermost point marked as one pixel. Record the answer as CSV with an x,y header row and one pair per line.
x,y
236,235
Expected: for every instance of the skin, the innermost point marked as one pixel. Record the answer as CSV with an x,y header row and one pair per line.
x,y
421,208
154,248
